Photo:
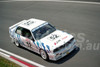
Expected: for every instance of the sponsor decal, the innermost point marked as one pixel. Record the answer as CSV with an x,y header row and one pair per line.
x,y
54,43
53,37
28,43
28,23
64,37
57,42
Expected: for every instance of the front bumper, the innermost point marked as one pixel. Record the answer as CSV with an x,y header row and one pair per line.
x,y
62,53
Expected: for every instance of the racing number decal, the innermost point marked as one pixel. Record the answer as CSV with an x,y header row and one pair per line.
x,y
29,45
28,23
53,37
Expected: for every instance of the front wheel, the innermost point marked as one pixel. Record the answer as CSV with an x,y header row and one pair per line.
x,y
43,55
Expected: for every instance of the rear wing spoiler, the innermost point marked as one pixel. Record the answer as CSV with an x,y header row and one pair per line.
x,y
17,24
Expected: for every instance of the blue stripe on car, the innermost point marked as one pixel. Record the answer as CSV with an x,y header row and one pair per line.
x,y
48,47
43,46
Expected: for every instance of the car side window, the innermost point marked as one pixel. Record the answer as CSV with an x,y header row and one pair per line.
x,y
19,30
24,32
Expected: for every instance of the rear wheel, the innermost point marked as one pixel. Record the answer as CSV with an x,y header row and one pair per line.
x,y
16,43
43,55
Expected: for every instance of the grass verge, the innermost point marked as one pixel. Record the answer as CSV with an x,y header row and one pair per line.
x,y
6,63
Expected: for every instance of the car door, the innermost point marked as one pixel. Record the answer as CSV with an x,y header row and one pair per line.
x,y
27,40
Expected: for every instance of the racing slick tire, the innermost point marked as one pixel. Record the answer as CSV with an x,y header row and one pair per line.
x,y
16,43
44,55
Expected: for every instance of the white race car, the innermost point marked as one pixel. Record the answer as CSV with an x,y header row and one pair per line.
x,y
43,38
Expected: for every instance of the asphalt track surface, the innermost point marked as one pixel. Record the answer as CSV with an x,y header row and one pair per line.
x,y
73,17
85,0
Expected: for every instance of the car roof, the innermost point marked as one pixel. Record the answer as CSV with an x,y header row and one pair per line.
x,y
32,23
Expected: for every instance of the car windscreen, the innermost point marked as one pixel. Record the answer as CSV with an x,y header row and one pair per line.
x,y
43,31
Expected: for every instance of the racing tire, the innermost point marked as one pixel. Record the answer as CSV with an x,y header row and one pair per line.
x,y
44,55
16,43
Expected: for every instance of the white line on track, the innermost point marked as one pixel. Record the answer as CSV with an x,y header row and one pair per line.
x,y
82,2
4,54
24,59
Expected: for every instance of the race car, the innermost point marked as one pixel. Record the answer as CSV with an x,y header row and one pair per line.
x,y
41,37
